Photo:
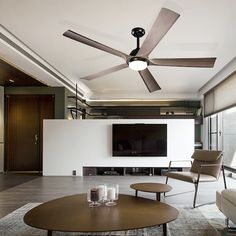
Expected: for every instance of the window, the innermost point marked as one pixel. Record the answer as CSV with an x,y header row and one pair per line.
x,y
213,132
229,136
222,135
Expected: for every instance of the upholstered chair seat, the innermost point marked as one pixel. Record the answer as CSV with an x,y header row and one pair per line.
x,y
191,177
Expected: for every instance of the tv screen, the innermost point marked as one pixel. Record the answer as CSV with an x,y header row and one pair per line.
x,y
139,140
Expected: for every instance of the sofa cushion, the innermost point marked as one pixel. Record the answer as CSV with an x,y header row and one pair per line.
x,y
230,195
188,176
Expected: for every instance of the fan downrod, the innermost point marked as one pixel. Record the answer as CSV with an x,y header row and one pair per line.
x,y
137,32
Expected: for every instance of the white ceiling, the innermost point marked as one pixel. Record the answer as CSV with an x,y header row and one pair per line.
x,y
206,28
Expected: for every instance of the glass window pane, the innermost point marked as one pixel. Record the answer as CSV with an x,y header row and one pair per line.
x,y
229,136
213,124
213,145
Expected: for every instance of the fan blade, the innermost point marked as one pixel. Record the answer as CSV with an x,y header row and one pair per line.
x,y
149,80
105,72
163,23
184,62
80,38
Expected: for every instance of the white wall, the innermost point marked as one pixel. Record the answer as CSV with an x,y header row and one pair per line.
x,y
71,144
1,128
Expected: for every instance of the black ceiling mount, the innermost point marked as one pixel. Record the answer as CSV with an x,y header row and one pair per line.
x,y
137,32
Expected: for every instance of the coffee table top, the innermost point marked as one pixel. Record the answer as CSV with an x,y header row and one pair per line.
x,y
151,187
72,214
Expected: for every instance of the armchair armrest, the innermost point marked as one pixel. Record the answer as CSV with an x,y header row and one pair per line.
x,y
178,161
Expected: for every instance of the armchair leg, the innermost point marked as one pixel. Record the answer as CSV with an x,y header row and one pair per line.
x,y
166,183
223,171
166,179
195,194
227,222
229,228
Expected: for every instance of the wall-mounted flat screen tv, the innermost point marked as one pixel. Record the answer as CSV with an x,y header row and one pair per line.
x,y
139,140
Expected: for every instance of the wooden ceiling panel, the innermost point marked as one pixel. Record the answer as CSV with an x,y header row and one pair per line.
x,y
11,76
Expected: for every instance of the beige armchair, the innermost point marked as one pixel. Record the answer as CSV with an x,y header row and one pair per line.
x,y
206,167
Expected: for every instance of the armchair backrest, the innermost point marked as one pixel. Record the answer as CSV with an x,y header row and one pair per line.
x,y
202,157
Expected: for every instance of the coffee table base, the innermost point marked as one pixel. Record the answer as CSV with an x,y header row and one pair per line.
x,y
165,229
158,195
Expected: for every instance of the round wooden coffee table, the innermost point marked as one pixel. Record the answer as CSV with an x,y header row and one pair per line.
x,y
157,188
72,214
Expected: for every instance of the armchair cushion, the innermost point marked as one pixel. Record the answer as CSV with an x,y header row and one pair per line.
x,y
190,177
213,170
206,155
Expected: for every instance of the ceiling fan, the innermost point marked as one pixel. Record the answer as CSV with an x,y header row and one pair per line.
x,y
138,58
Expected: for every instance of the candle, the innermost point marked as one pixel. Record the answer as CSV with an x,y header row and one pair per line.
x,y
111,193
94,197
101,192
105,191
117,189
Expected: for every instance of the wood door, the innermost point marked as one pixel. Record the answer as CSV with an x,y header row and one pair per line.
x,y
24,130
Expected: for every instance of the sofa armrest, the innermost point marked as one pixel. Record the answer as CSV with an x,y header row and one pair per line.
x,y
218,200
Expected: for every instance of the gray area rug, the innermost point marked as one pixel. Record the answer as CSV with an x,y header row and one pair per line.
x,y
202,221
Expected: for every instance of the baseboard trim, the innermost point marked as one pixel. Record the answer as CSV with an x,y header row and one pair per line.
x,y
24,172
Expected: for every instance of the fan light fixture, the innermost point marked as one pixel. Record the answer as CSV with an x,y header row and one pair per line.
x,y
138,63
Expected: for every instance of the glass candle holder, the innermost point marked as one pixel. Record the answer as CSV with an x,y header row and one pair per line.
x,y
93,197
112,195
102,193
